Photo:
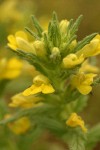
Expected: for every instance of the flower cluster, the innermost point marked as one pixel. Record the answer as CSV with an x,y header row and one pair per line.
x,y
65,71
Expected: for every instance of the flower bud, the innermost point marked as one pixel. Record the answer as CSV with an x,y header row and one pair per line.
x,y
73,45
55,53
39,48
63,26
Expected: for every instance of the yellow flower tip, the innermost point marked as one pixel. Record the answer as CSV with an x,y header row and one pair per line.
x,y
72,60
19,126
83,82
41,84
75,120
91,49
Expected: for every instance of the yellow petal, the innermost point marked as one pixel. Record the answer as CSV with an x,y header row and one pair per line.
x,y
97,36
32,90
22,35
75,120
13,47
89,78
83,127
12,42
19,100
72,60
84,89
47,88
39,79
11,39
24,45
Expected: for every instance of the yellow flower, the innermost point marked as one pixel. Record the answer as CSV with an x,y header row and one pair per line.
x,y
10,69
88,68
83,82
20,41
19,126
72,60
19,100
41,84
75,120
91,49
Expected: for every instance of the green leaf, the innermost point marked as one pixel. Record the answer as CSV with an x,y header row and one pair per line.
x,y
54,17
29,139
69,26
47,44
32,33
76,144
76,141
93,137
54,32
64,50
51,124
80,104
37,26
75,26
28,112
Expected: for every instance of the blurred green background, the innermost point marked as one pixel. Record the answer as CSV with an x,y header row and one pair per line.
x,y
15,14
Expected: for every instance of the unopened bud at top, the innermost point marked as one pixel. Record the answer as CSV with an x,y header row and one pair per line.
x,y
63,26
